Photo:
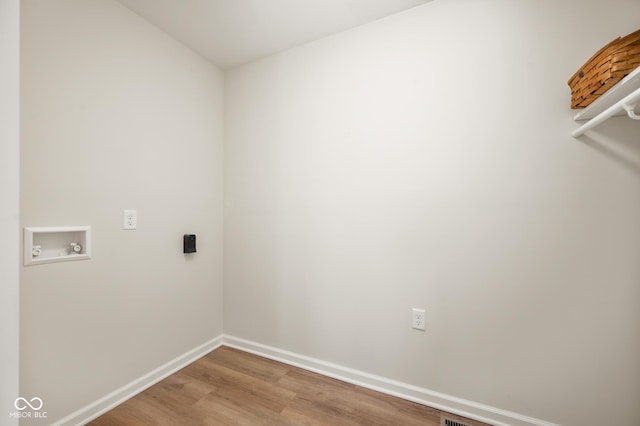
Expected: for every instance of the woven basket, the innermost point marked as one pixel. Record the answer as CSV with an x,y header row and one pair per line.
x,y
604,69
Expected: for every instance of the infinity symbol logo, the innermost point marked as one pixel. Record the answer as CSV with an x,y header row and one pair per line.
x,y
20,403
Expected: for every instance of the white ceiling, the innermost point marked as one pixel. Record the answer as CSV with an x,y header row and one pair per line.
x,y
232,32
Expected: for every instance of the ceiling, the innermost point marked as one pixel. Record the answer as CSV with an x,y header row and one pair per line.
x,y
233,32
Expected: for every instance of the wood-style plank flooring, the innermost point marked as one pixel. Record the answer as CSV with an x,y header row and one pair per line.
x,y
232,387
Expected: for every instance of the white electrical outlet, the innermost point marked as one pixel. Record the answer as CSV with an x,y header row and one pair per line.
x,y
418,319
130,219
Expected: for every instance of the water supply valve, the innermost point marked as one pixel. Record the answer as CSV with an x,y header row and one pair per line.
x,y
75,248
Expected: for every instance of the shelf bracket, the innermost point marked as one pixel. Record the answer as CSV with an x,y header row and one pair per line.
x,y
628,103
631,111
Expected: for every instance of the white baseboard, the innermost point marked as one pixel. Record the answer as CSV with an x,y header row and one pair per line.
x,y
440,401
117,397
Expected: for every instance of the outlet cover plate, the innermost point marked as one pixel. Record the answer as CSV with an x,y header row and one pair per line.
x,y
130,219
418,319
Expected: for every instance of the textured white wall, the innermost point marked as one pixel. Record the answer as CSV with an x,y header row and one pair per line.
x,y
115,115
425,160
9,218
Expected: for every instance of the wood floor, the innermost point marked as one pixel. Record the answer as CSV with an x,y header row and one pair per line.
x,y
231,387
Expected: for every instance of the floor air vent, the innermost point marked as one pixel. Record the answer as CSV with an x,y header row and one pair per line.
x,y
450,422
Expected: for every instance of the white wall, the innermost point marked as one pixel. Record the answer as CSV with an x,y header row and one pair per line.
x,y
425,160
9,219
115,115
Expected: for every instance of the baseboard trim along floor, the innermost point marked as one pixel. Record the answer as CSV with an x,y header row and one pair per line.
x,y
437,400
440,401
117,397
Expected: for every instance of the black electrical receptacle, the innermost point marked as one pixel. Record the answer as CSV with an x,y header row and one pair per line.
x,y
189,243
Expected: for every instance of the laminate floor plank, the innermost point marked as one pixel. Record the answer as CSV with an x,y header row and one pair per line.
x,y
230,387
179,391
253,366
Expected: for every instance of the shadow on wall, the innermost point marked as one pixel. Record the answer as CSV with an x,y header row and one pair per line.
x,y
619,140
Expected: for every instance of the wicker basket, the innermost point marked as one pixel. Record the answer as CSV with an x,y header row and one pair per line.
x,y
604,69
